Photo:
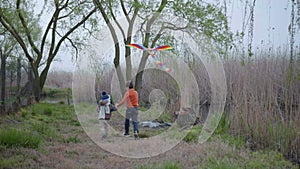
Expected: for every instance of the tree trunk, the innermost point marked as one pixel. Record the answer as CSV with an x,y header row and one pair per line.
x,y
11,81
117,46
18,91
30,85
37,89
3,77
128,64
139,76
127,50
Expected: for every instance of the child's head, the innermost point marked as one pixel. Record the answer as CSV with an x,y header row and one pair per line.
x,y
129,85
104,95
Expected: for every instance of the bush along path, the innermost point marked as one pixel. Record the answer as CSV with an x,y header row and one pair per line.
x,y
48,135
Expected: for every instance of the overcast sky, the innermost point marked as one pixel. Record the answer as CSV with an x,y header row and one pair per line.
x,y
269,14
273,14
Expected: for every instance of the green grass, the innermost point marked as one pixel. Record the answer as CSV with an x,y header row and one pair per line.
x,y
38,123
45,124
259,159
73,139
193,134
220,164
222,126
34,128
16,138
237,141
165,165
166,117
12,162
47,131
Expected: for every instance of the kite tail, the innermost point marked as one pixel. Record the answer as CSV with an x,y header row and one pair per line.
x,y
162,65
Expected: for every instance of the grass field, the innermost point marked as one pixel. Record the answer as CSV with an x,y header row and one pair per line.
x,y
48,135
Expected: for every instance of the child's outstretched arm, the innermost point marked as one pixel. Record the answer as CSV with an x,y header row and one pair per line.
x,y
123,100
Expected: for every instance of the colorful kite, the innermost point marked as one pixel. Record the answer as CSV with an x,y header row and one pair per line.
x,y
152,52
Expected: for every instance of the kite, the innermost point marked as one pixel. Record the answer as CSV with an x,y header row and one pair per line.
x,y
152,52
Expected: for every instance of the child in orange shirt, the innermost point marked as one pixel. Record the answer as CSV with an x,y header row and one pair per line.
x,y
131,97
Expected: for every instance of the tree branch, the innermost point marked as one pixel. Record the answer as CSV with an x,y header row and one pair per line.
x,y
73,29
152,19
131,21
72,43
114,18
124,10
112,31
172,27
4,21
48,29
53,20
36,50
159,34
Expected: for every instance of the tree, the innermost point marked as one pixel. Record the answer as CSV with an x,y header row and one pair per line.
x,y
6,47
41,47
3,78
202,18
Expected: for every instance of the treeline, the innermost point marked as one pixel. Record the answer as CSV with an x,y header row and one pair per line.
x,y
16,84
17,88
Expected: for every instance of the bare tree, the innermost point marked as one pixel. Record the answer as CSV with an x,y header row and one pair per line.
x,y
40,48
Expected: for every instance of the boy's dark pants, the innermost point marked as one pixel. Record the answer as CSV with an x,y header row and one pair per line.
x,y
133,114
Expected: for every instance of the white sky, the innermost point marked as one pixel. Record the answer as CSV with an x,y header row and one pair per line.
x,y
277,18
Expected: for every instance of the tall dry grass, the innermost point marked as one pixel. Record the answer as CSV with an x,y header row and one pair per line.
x,y
263,103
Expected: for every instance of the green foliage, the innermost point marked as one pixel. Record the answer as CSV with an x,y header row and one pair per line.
x,y
16,138
205,18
